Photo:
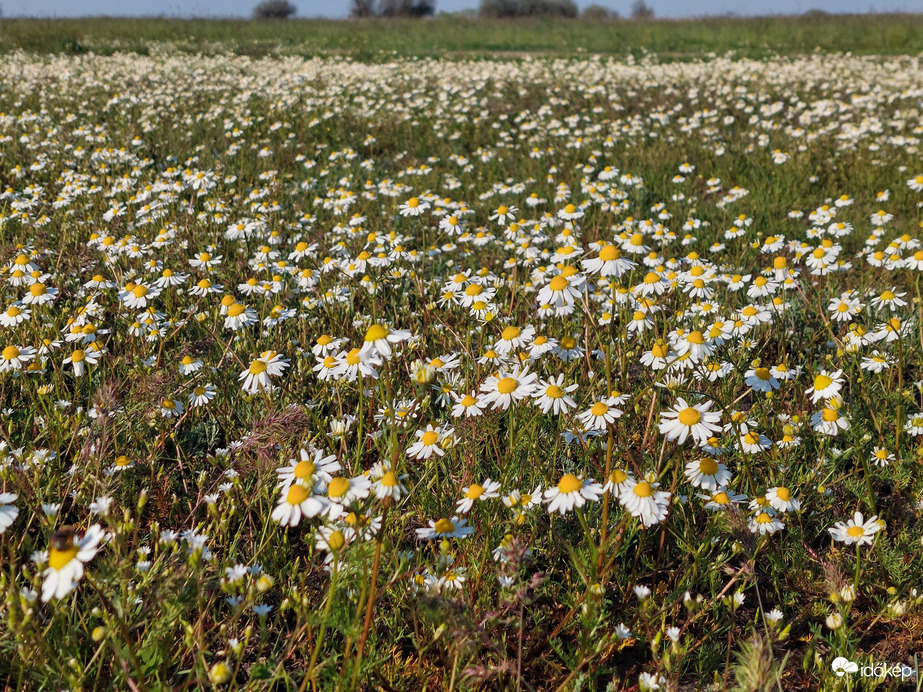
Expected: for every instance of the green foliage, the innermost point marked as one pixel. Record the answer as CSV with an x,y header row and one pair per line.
x,y
274,9
507,9
447,36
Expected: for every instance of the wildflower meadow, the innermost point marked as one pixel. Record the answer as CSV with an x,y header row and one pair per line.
x,y
527,373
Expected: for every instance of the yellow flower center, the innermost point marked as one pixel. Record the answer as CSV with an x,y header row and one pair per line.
x,y
763,518
696,337
689,416
37,289
304,469
599,408
783,494
257,367
336,540
468,401
608,253
511,333
829,415
474,290
444,526
10,353
643,489
708,466
475,491
352,358
618,476
507,385
296,494
569,483
554,392
558,283
660,350
821,382
762,373
429,438
720,498
60,558
338,487
376,332
855,531
77,356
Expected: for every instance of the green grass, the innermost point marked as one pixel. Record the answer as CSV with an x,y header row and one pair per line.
x,y
448,35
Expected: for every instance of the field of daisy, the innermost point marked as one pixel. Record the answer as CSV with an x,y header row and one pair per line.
x,y
524,374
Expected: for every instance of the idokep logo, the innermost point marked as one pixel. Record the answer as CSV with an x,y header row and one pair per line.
x,y
843,666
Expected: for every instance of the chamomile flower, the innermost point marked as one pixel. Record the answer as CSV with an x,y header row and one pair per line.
x,y
311,467
707,473
642,499
829,420
428,442
256,376
15,357
379,339
826,385
477,492
761,379
553,395
79,359
571,491
685,420
201,395
601,414
467,405
780,499
857,530
445,528
414,207
66,557
8,511
297,501
505,388
764,522
386,483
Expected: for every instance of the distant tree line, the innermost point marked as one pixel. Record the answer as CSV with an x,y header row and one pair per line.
x,y
274,9
392,8
558,8
361,9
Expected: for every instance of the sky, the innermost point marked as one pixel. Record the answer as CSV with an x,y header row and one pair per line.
x,y
340,8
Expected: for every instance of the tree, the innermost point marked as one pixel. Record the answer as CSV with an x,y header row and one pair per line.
x,y
392,8
362,9
528,8
598,13
407,8
641,10
274,9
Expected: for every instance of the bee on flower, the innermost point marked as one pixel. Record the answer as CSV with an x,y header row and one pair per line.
x,y
67,555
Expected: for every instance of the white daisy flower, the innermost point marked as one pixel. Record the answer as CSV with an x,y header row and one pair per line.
x,y
685,420
571,492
